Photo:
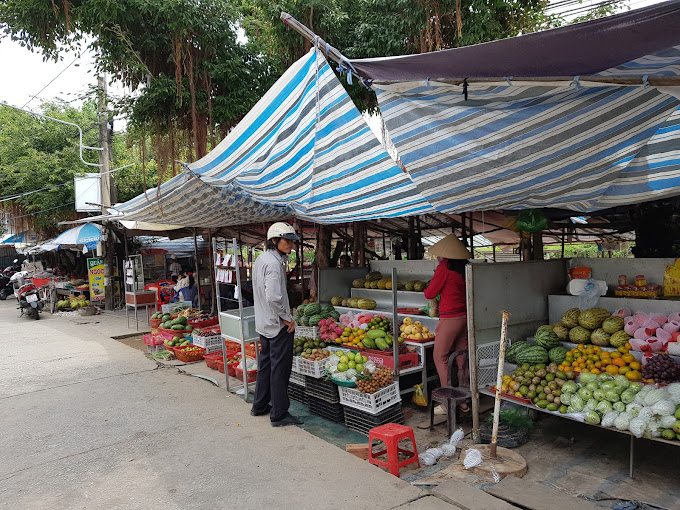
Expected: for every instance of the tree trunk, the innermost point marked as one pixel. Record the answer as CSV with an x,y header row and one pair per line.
x,y
323,248
337,253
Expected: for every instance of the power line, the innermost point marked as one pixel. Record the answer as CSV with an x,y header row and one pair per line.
x,y
50,82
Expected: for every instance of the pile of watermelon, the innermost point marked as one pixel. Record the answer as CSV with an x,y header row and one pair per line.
x,y
547,348
310,314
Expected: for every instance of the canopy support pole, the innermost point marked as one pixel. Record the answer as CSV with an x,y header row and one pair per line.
x,y
212,274
198,276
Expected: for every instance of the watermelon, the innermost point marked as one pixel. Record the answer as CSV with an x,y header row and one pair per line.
x,y
580,335
327,309
305,320
335,315
513,350
557,354
314,320
301,309
619,338
533,355
546,338
593,318
312,309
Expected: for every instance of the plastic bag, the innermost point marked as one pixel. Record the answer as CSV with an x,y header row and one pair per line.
x,y
589,297
532,220
431,309
418,397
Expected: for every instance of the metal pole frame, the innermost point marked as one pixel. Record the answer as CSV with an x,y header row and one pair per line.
x,y
395,325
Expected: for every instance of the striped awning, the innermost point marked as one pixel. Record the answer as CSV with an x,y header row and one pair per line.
x,y
304,150
517,147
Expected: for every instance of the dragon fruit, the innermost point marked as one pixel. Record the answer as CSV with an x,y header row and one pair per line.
x,y
640,319
663,336
672,326
659,318
651,327
641,334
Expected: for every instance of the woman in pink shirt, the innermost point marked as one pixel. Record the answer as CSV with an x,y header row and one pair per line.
x,y
449,283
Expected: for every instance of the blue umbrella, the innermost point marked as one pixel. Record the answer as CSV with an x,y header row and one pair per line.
x,y
87,235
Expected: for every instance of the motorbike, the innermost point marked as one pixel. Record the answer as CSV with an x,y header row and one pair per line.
x,y
27,295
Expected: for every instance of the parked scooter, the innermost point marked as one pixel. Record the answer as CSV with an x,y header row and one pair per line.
x,y
27,295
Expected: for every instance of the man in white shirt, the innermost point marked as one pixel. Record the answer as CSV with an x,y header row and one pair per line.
x,y
175,268
275,324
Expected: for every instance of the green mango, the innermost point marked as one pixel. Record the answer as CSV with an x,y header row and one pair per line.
x,y
177,327
381,344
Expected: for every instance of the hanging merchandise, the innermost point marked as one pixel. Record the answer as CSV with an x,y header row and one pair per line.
x,y
532,220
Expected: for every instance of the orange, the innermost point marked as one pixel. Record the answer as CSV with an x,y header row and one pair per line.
x,y
612,369
597,348
628,358
581,359
598,364
635,365
615,354
595,371
628,346
634,375
624,370
619,362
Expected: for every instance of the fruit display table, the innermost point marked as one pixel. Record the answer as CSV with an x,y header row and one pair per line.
x,y
631,453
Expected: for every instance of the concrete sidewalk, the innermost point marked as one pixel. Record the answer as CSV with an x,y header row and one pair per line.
x,y
89,422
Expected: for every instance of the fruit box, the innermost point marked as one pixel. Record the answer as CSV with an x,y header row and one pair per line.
x,y
311,368
371,403
386,358
209,343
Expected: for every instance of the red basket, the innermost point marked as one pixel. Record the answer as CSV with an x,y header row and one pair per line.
x,y
172,333
235,346
252,374
156,339
212,359
155,322
386,359
189,356
204,323
353,347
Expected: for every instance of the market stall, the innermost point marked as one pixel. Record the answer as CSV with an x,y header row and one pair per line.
x,y
556,332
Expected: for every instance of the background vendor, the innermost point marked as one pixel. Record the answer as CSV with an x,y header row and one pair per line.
x,y
451,331
175,269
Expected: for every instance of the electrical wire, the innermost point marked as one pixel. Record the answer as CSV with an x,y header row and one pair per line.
x,y
50,82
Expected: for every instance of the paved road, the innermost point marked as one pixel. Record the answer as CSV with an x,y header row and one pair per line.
x,y
88,422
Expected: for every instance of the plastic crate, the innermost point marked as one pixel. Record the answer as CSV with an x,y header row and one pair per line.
x,y
487,364
235,346
386,359
371,403
209,343
298,394
330,411
306,332
322,389
153,339
363,422
297,379
175,307
204,323
310,368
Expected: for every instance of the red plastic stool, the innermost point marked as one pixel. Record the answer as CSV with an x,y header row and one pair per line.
x,y
391,434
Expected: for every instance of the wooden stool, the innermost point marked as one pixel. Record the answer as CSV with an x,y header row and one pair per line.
x,y
391,434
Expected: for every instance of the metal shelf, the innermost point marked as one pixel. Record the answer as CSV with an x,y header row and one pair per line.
x,y
386,313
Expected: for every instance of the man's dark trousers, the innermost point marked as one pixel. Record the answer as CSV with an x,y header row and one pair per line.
x,y
273,372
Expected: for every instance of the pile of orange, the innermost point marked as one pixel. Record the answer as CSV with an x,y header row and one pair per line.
x,y
592,358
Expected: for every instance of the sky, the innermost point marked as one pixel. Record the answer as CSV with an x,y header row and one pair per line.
x,y
32,80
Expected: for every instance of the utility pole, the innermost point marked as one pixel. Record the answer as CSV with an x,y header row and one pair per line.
x,y
104,160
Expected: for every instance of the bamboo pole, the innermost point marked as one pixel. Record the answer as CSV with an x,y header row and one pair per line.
x,y
499,384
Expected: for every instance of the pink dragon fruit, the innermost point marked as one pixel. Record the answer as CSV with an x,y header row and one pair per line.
x,y
640,319
638,344
641,334
651,327
630,328
672,326
663,336
655,344
659,318
623,312
338,330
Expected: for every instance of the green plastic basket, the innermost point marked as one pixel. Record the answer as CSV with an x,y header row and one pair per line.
x,y
346,384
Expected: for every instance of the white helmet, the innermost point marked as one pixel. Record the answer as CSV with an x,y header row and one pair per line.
x,y
281,229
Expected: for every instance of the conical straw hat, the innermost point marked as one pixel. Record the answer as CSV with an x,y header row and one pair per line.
x,y
450,248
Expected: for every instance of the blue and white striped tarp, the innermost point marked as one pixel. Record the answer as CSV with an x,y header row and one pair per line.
x,y
304,150
576,147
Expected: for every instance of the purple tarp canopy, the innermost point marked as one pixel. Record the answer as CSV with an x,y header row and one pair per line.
x,y
580,49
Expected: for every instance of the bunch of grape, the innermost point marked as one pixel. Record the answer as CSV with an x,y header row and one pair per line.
x,y
662,368
380,378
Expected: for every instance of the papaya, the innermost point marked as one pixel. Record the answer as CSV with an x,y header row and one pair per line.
x,y
374,334
369,343
381,344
